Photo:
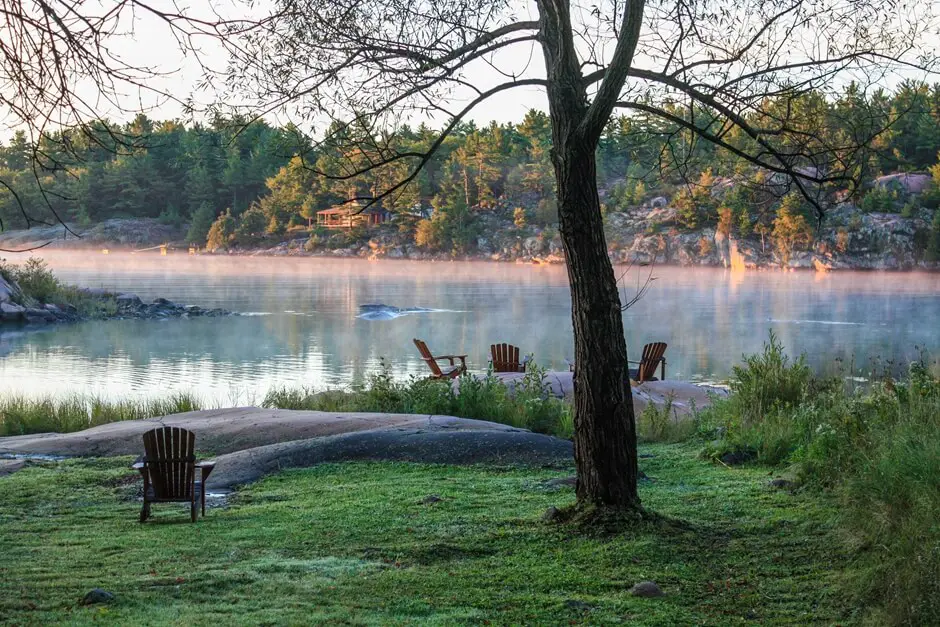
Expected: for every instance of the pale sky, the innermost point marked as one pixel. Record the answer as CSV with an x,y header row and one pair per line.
x,y
148,42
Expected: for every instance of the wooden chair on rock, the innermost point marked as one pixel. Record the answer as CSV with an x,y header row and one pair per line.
x,y
452,371
505,358
170,471
653,357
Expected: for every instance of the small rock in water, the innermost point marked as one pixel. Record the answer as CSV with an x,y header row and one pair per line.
x,y
127,300
35,315
551,514
431,498
11,312
97,595
647,589
163,302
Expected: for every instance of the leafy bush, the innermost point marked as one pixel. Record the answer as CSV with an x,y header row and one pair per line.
x,y
36,280
766,381
526,405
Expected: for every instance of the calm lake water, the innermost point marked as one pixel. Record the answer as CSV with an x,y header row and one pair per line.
x,y
301,325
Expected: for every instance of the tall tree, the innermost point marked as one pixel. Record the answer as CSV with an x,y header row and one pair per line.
x,y
703,67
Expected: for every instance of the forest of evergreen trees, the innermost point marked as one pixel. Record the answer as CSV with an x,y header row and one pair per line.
x,y
254,179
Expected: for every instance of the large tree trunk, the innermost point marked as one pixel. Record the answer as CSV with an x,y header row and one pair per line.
x,y
605,432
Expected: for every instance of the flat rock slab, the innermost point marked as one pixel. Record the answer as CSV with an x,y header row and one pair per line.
x,y
9,466
220,431
432,446
684,395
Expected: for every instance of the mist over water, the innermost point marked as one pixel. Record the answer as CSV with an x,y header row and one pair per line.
x,y
305,329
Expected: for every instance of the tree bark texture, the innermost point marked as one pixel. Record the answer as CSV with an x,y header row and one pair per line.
x,y
605,431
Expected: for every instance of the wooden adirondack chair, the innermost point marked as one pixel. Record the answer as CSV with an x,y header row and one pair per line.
x,y
505,358
169,470
437,372
653,356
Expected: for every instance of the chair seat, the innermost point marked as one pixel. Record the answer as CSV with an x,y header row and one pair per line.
x,y
449,370
152,497
635,375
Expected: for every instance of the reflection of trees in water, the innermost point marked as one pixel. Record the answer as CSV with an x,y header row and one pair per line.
x,y
707,324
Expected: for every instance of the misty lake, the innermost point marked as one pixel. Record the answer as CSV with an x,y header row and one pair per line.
x,y
300,326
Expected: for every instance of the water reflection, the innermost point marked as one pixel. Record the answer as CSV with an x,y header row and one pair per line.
x,y
310,333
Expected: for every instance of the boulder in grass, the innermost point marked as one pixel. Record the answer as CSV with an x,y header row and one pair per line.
x,y
97,595
647,589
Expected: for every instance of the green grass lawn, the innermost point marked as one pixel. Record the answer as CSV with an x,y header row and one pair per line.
x,y
353,544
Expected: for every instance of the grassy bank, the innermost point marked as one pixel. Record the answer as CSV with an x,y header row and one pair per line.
x,y
352,544
863,466
875,452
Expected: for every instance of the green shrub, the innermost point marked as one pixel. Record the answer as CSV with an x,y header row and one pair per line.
x,y
764,383
36,280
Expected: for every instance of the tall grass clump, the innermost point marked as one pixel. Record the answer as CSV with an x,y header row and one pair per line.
x,y
526,404
21,416
875,450
661,423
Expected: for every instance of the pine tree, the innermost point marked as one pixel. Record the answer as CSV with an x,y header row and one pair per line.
x,y
202,221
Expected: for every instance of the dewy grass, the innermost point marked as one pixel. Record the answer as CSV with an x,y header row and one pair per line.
x,y
354,544
20,415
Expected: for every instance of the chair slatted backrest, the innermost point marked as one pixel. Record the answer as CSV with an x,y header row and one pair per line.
x,y
428,357
171,460
652,355
506,358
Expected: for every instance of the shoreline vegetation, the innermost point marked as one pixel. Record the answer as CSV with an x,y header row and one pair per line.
x,y
869,455
637,236
31,294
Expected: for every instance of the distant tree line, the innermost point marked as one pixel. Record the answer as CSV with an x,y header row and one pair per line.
x,y
248,180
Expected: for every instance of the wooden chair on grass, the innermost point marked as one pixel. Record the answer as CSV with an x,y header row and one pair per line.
x,y
452,371
653,356
169,470
505,358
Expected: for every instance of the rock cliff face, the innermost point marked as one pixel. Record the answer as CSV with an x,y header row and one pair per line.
x,y
847,239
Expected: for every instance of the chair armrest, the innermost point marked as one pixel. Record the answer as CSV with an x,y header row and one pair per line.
x,y
449,356
206,467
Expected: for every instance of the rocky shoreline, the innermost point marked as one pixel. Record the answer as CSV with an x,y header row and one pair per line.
x,y
849,239
124,306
